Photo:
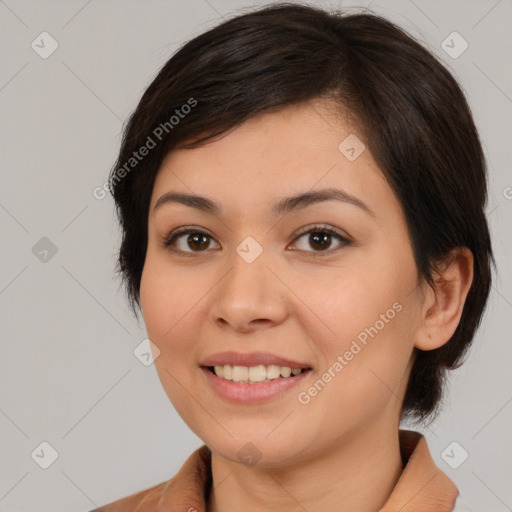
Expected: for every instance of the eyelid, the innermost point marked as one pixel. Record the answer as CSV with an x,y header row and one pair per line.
x,y
320,228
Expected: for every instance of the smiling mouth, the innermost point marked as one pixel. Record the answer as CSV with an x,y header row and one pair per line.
x,y
255,374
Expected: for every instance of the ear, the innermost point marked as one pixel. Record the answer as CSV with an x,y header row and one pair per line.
x,y
443,304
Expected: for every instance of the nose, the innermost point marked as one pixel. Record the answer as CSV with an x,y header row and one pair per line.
x,y
250,296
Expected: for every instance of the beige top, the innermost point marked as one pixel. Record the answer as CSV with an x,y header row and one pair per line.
x,y
422,486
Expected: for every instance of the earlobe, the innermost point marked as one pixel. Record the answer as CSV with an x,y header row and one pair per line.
x,y
445,302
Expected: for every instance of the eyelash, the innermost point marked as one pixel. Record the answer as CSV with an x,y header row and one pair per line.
x,y
317,229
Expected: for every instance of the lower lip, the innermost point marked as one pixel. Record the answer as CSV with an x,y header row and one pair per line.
x,y
250,393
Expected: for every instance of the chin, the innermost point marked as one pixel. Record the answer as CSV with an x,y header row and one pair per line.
x,y
255,451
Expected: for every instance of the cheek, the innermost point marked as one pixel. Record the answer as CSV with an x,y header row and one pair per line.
x,y
167,301
164,297
370,314
167,304
364,371
351,301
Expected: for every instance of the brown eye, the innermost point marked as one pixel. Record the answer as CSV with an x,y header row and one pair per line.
x,y
195,241
320,239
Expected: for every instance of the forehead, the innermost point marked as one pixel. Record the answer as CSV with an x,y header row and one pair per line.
x,y
272,155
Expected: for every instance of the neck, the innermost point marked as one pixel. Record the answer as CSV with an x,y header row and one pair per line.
x,y
356,474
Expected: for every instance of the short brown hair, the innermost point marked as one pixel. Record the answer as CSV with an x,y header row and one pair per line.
x,y
413,114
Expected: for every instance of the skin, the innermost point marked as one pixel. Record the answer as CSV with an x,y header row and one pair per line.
x,y
299,299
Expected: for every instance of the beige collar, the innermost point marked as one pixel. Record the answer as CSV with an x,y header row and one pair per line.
x,y
422,486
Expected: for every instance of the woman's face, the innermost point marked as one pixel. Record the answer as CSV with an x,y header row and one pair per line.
x,y
250,280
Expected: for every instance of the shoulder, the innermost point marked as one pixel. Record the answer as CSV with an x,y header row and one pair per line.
x,y
184,491
149,498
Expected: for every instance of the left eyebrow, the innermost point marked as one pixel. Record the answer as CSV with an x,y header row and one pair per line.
x,y
288,204
281,207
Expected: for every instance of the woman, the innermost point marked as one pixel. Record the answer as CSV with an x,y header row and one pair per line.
x,y
301,196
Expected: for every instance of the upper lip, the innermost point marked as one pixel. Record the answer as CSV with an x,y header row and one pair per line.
x,y
250,359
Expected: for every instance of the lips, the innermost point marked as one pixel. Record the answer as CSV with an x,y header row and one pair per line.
x,y
260,392
251,359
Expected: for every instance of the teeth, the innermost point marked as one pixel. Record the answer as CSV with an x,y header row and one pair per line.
x,y
228,372
286,371
273,371
240,373
257,373
254,374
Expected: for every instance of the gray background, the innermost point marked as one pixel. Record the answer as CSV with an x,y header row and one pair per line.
x,y
68,375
